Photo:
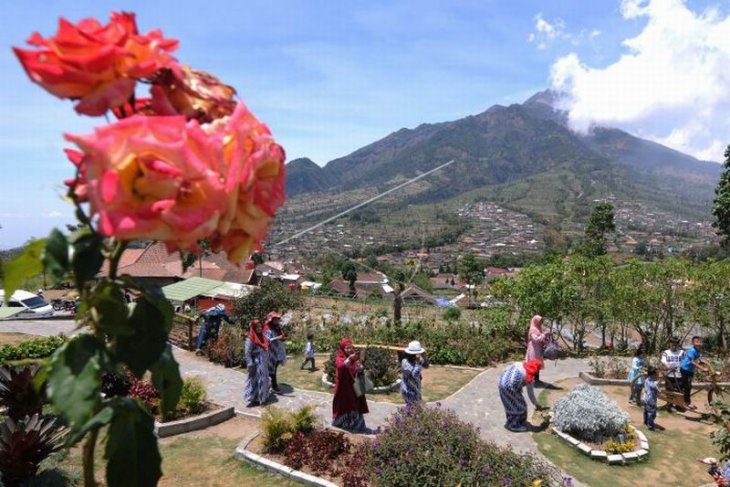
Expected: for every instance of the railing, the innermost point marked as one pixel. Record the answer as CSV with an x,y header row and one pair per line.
x,y
184,330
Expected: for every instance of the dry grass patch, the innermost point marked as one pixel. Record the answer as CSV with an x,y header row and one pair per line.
x,y
14,338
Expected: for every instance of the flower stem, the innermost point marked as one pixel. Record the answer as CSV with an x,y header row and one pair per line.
x,y
89,448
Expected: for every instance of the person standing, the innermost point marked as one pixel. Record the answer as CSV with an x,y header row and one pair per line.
x,y
411,366
256,356
691,361
671,360
637,364
651,391
309,353
347,408
511,382
277,353
536,341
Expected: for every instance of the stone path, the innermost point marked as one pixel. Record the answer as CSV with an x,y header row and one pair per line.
x,y
477,402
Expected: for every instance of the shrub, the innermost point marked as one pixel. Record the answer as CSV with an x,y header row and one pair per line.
x,y
380,364
316,450
618,368
587,413
428,446
598,367
24,444
452,313
269,296
31,349
228,348
193,396
303,419
145,392
18,392
280,426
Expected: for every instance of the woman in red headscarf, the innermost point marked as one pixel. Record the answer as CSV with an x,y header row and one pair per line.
x,y
347,408
511,382
536,341
256,355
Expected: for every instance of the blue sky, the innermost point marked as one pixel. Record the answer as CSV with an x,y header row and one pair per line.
x,y
331,77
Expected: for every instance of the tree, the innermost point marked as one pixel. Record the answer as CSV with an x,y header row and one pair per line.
x,y
710,297
349,273
269,296
471,271
600,223
721,203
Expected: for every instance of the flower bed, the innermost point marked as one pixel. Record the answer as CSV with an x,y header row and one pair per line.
x,y
639,452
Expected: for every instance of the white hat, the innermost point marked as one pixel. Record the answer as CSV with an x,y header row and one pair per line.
x,y
415,348
709,460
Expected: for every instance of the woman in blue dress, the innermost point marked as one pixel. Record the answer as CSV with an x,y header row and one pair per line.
x,y
410,367
256,355
511,382
277,349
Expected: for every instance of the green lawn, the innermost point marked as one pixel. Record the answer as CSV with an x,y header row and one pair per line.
x,y
672,457
438,382
190,460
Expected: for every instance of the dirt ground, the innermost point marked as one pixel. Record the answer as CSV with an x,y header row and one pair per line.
x,y
673,451
14,338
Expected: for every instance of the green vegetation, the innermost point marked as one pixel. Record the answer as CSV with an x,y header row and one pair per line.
x,y
721,204
269,296
36,348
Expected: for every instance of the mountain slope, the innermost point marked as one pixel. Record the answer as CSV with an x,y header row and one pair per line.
x,y
304,176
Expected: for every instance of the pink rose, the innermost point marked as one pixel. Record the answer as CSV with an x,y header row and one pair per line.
x,y
255,183
94,64
77,185
154,178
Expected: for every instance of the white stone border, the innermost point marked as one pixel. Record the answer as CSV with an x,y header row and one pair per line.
x,y
376,390
259,461
601,455
194,423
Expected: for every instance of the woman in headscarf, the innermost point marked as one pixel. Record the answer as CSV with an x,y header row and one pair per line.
x,y
256,355
536,341
347,408
277,352
511,382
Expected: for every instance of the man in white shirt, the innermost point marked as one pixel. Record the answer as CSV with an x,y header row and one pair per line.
x,y
671,360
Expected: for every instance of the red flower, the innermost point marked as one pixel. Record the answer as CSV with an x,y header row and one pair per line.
x,y
98,65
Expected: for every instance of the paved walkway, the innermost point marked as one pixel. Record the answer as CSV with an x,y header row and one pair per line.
x,y
477,402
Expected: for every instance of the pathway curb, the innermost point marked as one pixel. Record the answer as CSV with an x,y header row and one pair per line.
x,y
194,423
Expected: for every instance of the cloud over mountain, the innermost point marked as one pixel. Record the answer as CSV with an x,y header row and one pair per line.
x,y
672,84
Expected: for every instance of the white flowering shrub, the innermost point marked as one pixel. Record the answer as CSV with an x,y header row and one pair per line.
x,y
587,413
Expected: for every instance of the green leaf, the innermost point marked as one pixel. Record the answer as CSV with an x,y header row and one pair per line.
x,y
87,259
153,293
131,448
143,348
27,264
74,378
109,309
101,418
55,256
166,378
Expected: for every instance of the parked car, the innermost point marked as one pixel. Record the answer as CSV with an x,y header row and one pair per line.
x,y
35,306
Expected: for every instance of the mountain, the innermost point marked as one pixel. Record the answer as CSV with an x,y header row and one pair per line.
x,y
305,176
525,157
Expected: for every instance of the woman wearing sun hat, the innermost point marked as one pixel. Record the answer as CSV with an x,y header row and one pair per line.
x,y
410,367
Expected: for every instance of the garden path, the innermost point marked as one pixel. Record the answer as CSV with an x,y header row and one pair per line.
x,y
477,402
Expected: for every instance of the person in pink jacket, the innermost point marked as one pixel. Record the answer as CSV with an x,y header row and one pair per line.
x,y
536,341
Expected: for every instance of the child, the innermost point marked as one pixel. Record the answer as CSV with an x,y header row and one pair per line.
x,y
637,363
309,352
651,390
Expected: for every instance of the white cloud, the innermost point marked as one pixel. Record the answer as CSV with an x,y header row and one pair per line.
x,y
672,83
546,32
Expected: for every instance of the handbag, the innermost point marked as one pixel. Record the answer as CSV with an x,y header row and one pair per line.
x,y
362,384
551,350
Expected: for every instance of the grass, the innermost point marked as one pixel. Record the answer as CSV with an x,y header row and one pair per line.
x,y
438,382
672,458
189,460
